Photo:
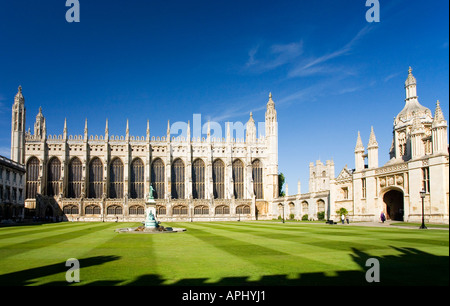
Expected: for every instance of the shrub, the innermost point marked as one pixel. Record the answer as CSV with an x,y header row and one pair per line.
x,y
321,215
305,218
291,217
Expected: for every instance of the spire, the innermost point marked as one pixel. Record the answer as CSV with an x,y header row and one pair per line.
x,y
228,132
106,130
188,132
86,130
39,124
19,96
65,129
251,130
148,130
44,130
359,145
410,86
438,115
168,130
127,131
412,104
270,103
372,140
411,80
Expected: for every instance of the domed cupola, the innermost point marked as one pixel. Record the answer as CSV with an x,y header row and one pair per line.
x,y
412,106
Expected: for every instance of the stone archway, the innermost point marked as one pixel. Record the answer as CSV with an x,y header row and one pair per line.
x,y
49,211
394,205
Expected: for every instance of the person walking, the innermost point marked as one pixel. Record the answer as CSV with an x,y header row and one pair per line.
x,y
347,218
343,219
383,217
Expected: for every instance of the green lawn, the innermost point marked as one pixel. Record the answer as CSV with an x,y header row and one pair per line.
x,y
231,253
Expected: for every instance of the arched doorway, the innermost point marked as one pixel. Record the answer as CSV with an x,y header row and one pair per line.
x,y
394,202
49,212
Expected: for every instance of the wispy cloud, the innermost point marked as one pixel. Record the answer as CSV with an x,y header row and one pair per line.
x,y
261,60
391,76
316,65
237,109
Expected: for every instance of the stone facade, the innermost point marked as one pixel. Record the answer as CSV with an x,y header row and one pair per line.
x,y
12,181
106,177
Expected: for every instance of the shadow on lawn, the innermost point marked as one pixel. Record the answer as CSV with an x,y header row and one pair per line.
x,y
410,267
26,277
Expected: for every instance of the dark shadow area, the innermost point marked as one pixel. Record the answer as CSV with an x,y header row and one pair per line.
x,y
410,267
26,277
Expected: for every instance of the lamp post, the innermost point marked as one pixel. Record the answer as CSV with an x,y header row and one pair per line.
x,y
283,212
422,195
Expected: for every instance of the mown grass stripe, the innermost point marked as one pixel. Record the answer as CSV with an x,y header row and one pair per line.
x,y
47,240
27,230
265,252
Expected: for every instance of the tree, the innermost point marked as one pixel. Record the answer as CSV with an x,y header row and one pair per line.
x,y
281,180
342,211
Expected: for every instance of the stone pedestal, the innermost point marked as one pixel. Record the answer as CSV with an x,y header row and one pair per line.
x,y
150,214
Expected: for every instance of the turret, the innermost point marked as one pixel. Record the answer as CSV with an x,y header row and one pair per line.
x,y
439,132
372,150
18,128
359,154
250,136
106,131
65,129
39,125
272,146
86,130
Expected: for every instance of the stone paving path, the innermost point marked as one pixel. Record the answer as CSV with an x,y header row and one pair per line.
x,y
388,224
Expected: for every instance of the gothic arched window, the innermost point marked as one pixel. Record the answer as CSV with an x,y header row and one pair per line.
x,y
92,210
114,210
32,178
198,179
75,178
257,175
178,179
180,210
218,174
243,210
201,210
157,178
238,179
136,210
137,179
53,177
160,210
96,179
71,210
116,179
222,210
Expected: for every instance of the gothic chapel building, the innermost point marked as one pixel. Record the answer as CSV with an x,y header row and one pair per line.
x,y
107,178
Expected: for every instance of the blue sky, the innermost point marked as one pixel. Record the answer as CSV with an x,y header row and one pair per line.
x,y
331,72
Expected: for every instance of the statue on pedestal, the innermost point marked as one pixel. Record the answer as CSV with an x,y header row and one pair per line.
x,y
150,197
150,220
